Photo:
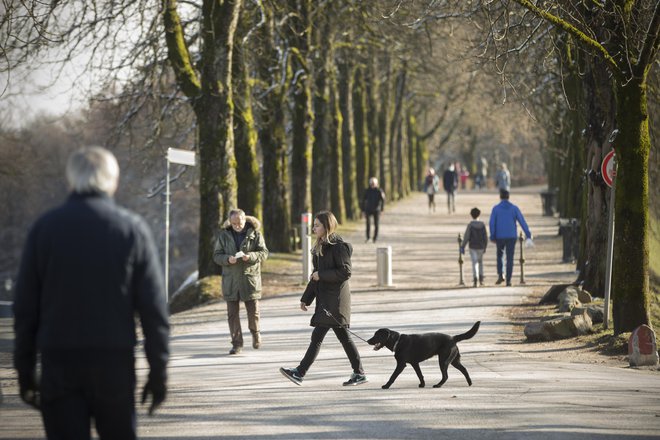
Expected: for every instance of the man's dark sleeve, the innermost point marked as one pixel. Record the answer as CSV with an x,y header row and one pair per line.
x,y
151,303
26,309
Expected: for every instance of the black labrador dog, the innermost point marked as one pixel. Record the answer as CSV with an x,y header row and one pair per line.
x,y
413,349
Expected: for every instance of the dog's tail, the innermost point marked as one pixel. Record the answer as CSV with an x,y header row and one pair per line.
x,y
469,333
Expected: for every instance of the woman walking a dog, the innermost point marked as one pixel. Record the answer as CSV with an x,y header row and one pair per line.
x,y
328,285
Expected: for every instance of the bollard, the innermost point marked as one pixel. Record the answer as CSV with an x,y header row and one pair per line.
x,y
306,245
460,260
384,265
521,239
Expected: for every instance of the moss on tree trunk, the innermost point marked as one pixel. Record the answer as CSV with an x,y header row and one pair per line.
x,y
345,86
245,140
335,120
630,283
361,129
302,116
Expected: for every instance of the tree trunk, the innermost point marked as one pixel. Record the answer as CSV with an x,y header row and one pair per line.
x,y
302,117
383,129
321,146
598,95
273,141
335,120
371,88
630,283
411,126
211,95
245,140
348,140
395,138
360,112
272,137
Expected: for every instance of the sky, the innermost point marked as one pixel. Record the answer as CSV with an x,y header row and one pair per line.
x,y
38,92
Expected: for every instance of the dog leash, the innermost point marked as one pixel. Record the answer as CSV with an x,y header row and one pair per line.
x,y
327,312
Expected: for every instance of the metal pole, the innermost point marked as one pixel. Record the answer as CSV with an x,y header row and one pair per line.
x,y
522,259
460,260
306,244
167,230
610,254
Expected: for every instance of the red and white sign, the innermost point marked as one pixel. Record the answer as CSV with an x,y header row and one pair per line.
x,y
608,168
642,348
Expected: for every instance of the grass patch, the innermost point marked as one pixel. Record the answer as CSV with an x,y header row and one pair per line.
x,y
654,245
205,290
605,342
654,283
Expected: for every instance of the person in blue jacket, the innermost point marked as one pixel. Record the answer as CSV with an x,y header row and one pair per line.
x,y
503,233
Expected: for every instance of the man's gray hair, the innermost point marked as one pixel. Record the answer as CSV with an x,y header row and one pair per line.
x,y
238,212
92,170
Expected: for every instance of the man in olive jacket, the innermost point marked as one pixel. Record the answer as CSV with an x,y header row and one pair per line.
x,y
239,249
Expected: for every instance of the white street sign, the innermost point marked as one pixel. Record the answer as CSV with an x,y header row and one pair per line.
x,y
183,157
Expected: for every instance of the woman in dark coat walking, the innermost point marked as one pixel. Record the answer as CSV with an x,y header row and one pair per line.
x,y
328,284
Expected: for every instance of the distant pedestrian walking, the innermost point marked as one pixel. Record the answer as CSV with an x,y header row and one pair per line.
x,y
373,204
88,268
503,232
328,285
450,183
476,237
463,175
431,187
503,178
481,179
240,249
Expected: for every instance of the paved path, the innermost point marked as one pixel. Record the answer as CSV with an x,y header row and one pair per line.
x,y
519,391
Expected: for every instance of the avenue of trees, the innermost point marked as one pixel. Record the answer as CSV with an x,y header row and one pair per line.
x,y
291,105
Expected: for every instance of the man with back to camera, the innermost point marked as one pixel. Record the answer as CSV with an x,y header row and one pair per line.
x,y
503,233
450,184
373,204
87,268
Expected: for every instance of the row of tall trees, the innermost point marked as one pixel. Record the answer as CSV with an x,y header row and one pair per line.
x,y
322,88
293,104
603,53
583,69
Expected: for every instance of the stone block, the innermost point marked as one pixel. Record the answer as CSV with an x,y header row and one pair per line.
x,y
596,312
642,347
560,328
568,299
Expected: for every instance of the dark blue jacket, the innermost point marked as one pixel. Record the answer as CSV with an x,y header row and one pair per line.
x,y
87,269
503,220
373,200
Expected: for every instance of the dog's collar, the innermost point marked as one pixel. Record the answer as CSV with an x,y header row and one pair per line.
x,y
396,343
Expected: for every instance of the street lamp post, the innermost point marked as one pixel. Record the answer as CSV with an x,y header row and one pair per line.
x,y
182,157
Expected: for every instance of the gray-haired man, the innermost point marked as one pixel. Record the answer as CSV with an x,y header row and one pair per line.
x,y
87,268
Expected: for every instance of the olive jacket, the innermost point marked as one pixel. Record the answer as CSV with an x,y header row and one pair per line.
x,y
242,280
332,291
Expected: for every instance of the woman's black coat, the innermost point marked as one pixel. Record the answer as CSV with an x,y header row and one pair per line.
x,y
332,291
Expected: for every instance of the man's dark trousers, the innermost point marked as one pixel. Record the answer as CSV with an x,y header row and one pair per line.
x,y
510,245
376,216
77,385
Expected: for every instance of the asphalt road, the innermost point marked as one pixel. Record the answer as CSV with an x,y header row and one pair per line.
x,y
518,391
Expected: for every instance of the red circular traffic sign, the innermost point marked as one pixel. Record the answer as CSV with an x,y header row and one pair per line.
x,y
608,168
